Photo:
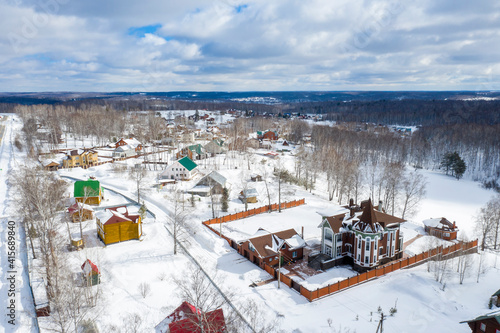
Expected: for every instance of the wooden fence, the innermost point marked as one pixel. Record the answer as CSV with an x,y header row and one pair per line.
x,y
254,211
312,295
248,213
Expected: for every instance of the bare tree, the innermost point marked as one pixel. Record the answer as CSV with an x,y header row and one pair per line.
x,y
137,174
484,226
40,194
197,289
144,289
464,265
413,191
178,216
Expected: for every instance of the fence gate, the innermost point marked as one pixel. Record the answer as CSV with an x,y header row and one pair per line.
x,y
295,285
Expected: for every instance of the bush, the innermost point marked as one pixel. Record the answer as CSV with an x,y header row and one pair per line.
x,y
144,289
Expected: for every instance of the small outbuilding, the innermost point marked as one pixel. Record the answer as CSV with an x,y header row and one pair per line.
x,y
81,212
249,195
441,228
256,178
90,273
118,224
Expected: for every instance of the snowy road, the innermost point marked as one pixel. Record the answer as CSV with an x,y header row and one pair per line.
x,y
16,301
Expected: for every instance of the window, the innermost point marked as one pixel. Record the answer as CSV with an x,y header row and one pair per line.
x,y
328,250
367,244
339,237
380,251
283,247
294,254
270,259
359,257
482,327
328,235
374,258
446,234
339,250
367,260
250,247
359,242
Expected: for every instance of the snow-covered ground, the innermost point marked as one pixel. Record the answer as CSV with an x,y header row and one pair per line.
x,y
421,302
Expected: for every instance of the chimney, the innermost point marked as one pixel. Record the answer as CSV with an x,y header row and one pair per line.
x,y
454,225
351,207
302,232
380,204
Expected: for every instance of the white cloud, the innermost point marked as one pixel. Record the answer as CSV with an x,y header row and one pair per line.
x,y
265,45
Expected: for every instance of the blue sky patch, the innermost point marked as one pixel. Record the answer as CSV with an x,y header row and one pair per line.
x,y
240,8
142,31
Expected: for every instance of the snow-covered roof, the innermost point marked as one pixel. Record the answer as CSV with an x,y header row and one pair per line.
x,y
295,242
433,223
440,223
200,189
250,192
133,142
79,205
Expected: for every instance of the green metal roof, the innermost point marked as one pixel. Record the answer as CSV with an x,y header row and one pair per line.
x,y
80,185
187,163
196,148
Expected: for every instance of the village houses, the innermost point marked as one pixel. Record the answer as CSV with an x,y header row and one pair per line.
x,y
182,169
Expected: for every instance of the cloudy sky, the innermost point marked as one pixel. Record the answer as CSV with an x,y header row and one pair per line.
x,y
232,45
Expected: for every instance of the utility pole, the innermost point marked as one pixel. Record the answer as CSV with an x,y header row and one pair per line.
x,y
381,323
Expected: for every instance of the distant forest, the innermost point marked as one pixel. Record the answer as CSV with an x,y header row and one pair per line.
x,y
469,127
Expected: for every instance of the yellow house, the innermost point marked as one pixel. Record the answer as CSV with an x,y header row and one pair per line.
x,y
118,224
80,158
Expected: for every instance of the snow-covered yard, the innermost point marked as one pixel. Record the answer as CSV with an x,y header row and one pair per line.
x,y
422,303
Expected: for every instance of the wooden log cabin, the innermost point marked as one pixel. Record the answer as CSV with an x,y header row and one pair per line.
x,y
118,224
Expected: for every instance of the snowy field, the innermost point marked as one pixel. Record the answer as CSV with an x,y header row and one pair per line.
x,y
422,304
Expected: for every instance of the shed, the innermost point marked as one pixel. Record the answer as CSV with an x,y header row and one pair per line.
x,y
249,195
441,228
118,224
256,178
82,210
90,273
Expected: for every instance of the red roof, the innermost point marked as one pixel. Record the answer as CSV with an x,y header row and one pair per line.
x,y
186,319
92,265
120,214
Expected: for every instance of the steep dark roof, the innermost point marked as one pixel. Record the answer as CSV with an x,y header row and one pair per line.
x,y
371,216
335,222
262,242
